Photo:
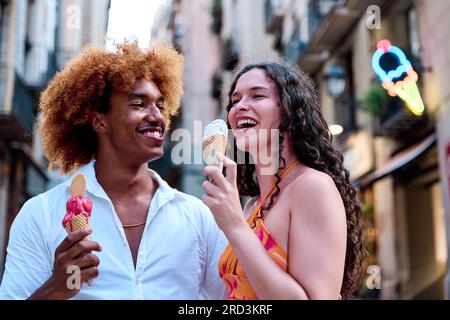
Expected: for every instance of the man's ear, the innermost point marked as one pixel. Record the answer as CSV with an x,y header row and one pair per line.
x,y
98,123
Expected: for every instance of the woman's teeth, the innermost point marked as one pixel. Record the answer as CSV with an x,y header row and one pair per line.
x,y
247,123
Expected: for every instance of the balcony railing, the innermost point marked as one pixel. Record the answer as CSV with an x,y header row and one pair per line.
x,y
216,13
40,81
317,11
295,47
230,54
274,15
16,122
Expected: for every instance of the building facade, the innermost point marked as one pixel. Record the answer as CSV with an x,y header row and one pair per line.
x,y
36,39
398,160
214,36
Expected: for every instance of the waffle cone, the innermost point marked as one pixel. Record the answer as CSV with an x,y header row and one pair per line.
x,y
78,186
77,223
213,144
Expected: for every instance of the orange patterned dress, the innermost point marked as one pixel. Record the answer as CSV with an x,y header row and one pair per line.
x,y
230,269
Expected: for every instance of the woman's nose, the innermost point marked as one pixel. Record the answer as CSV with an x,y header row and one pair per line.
x,y
242,104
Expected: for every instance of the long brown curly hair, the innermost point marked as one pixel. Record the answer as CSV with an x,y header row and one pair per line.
x,y
84,87
312,142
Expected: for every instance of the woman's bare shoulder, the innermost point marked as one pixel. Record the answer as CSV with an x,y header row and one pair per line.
x,y
314,191
312,179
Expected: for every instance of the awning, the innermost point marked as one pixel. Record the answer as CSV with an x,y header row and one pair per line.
x,y
398,161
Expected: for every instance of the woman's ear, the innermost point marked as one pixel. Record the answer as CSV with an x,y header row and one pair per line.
x,y
98,123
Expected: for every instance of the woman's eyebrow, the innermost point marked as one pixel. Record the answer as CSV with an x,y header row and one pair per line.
x,y
258,88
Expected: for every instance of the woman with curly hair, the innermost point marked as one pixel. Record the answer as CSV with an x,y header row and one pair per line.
x,y
105,115
299,235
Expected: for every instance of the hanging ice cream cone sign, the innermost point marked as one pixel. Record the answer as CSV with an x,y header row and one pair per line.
x,y
397,75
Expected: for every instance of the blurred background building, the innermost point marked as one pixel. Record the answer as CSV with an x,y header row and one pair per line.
x,y
397,159
37,37
400,161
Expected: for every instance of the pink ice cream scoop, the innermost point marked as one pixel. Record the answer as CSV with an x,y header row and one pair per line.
x,y
75,206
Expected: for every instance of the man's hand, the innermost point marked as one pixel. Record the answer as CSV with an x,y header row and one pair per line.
x,y
74,253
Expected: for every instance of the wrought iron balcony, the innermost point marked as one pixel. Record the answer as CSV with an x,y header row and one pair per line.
x,y
318,10
295,47
216,13
274,15
329,23
230,54
16,115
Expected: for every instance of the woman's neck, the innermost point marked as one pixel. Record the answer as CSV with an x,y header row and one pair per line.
x,y
266,173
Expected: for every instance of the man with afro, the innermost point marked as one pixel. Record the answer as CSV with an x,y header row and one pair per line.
x,y
105,115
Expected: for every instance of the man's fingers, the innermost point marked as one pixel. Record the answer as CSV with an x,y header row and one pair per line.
x,y
231,168
89,274
87,260
82,247
73,238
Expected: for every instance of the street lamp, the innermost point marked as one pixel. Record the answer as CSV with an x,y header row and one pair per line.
x,y
336,129
335,80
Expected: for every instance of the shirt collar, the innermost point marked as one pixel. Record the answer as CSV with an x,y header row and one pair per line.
x,y
163,194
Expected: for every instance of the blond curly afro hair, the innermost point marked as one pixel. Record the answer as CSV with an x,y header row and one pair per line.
x,y
84,88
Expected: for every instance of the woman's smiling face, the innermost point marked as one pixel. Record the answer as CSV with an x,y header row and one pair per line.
x,y
255,110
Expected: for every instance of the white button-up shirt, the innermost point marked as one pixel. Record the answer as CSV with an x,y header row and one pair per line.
x,y
177,258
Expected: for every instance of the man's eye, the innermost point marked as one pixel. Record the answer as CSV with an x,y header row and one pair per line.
x,y
259,96
160,106
234,102
138,104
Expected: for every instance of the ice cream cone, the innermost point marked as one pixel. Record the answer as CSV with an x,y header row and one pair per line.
x,y
77,223
78,208
212,145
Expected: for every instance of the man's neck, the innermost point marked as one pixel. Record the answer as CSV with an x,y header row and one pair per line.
x,y
120,179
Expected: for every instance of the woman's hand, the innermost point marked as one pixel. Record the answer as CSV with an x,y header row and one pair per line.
x,y
222,196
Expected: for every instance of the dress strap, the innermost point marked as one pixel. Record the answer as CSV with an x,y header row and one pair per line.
x,y
285,173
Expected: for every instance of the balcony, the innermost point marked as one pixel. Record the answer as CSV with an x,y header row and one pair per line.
x,y
230,54
317,11
16,116
295,46
330,22
39,82
216,13
274,15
